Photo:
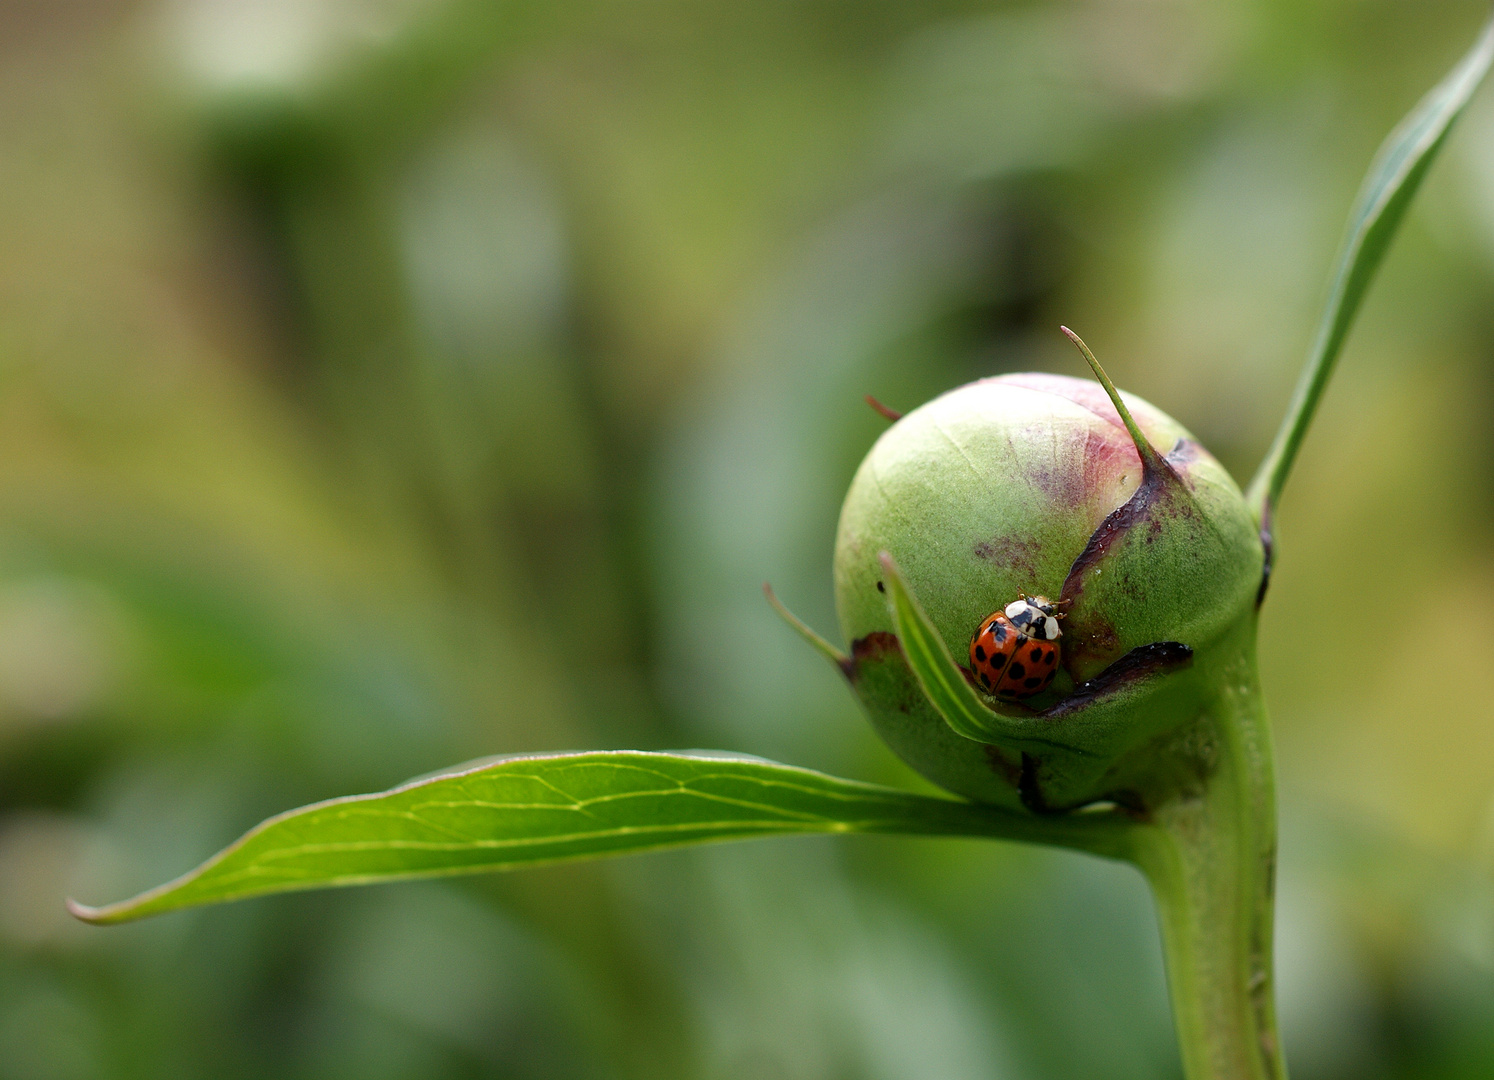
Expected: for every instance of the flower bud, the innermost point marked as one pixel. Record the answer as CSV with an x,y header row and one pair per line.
x,y
1031,484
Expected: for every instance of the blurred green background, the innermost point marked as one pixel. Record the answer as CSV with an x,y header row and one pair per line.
x,y
386,383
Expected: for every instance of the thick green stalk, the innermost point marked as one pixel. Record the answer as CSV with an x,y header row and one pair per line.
x,y
1191,802
1210,855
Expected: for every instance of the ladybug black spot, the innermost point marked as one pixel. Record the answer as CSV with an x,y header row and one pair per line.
x,y
1035,655
1048,659
998,660
1030,683
1016,671
985,680
980,653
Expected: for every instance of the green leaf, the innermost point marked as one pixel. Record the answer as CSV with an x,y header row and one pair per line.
x,y
522,811
1388,188
933,665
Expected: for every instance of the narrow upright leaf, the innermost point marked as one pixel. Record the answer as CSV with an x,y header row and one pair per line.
x,y
933,665
527,810
1388,188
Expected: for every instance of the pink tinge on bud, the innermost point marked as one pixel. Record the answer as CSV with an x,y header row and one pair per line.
x,y
1091,395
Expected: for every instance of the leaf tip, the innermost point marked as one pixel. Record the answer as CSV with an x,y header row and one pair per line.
x,y
1149,456
95,916
829,651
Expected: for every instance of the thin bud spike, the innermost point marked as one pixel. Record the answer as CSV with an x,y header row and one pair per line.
x,y
1148,454
883,410
827,650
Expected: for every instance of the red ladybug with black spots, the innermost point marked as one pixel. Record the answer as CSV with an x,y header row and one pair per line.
x,y
1014,653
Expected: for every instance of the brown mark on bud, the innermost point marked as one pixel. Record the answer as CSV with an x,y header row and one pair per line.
x,y
1009,770
1131,803
1157,480
1030,791
1096,638
1021,555
1161,494
1030,788
873,647
1143,662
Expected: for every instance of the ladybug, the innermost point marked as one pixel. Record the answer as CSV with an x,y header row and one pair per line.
x,y
1014,653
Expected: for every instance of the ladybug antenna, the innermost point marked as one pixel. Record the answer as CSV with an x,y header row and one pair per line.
x,y
883,410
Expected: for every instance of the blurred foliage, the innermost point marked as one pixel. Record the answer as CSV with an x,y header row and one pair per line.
x,y
385,383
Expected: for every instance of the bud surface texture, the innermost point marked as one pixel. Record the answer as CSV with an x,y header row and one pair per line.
x,y
1031,484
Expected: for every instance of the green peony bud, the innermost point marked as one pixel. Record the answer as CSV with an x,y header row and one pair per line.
x,y
1032,484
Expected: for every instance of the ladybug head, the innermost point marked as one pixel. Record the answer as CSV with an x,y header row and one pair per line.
x,y
1035,615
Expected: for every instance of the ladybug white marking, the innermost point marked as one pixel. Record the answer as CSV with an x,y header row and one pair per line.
x,y
1036,620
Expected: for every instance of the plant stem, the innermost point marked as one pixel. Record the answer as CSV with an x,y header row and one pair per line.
x,y
1210,855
